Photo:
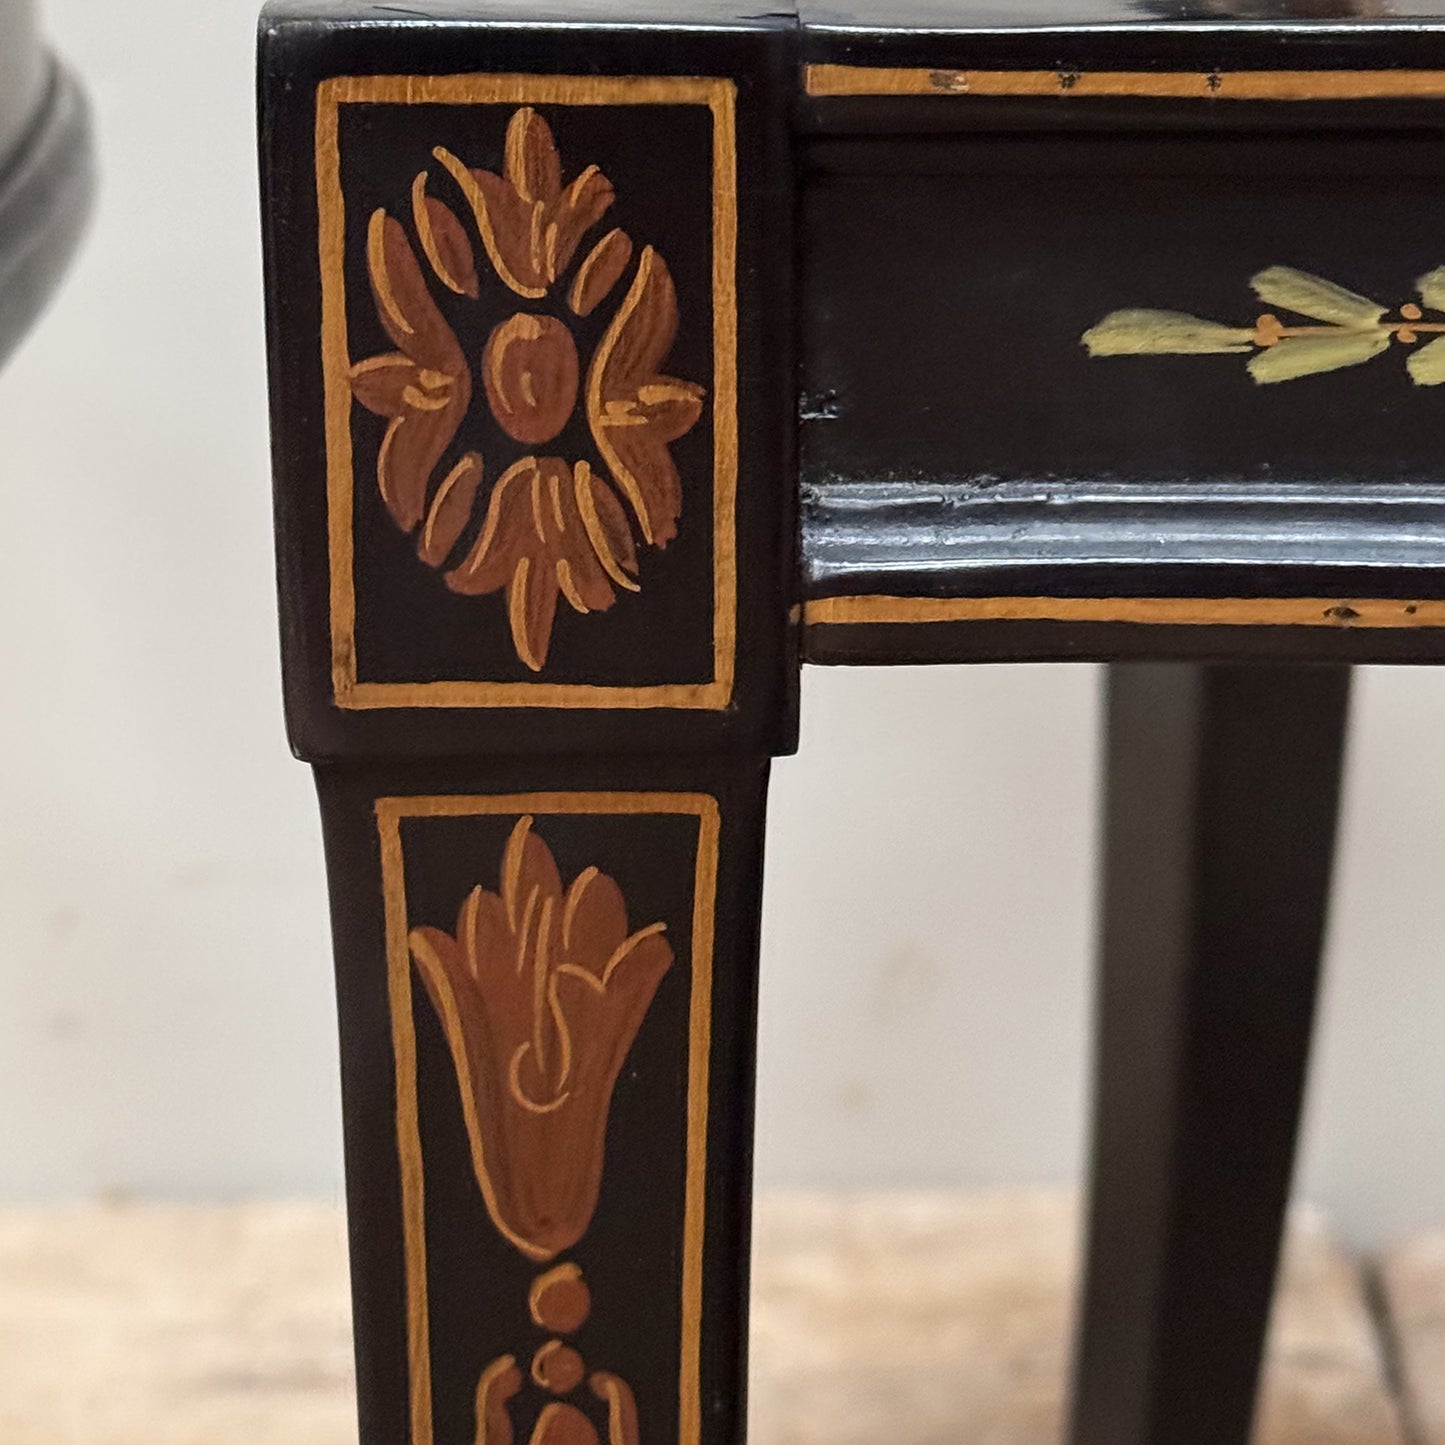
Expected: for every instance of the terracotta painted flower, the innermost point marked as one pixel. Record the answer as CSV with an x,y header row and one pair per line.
x,y
551,526
541,993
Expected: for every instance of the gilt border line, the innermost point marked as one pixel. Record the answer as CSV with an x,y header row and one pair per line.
x,y
865,80
825,80
1342,614
389,814
719,94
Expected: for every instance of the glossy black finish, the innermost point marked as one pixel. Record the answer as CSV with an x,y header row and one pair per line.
x,y
669,1283
951,15
408,626
918,334
435,21
957,441
46,167
913,643
1057,36
972,447
476,1285
982,538
1221,795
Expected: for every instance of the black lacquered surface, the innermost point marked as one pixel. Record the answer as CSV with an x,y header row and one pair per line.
x,y
944,15
980,189
738,488
958,439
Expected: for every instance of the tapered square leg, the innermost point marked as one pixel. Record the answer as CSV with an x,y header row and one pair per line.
x,y
547,989
1220,803
530,312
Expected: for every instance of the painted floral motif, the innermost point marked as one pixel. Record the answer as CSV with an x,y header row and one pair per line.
x,y
1354,329
550,526
541,992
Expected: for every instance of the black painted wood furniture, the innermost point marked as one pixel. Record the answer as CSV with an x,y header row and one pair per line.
x,y
624,357
45,170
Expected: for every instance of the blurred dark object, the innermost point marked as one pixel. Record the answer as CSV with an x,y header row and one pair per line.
x,y
1268,9
45,170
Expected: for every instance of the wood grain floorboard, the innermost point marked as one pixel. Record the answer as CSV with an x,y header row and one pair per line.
x,y
1413,1277
943,1320
936,1319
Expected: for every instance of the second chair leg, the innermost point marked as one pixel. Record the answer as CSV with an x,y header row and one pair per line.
x,y
1221,797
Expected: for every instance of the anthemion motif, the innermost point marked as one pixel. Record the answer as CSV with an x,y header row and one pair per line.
x,y
541,992
1352,329
550,525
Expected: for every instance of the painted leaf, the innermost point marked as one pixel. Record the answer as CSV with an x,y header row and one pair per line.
x,y
1315,297
1146,333
1427,365
1298,356
1432,289
444,240
450,510
634,410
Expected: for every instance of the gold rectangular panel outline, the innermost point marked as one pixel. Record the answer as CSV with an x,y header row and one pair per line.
x,y
865,80
719,95
389,814
1343,614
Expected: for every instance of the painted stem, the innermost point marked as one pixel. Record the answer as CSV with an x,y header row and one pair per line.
x,y
1415,328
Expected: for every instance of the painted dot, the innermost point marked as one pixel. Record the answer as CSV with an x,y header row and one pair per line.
x,y
560,1299
558,1367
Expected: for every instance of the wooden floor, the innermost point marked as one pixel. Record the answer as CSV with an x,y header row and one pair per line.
x,y
920,1320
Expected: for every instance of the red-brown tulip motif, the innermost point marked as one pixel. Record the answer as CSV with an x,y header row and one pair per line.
x,y
541,991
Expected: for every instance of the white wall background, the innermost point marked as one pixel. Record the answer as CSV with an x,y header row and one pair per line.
x,y
165,995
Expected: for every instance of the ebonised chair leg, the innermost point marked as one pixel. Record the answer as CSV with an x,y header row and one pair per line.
x,y
1221,797
546,975
530,315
